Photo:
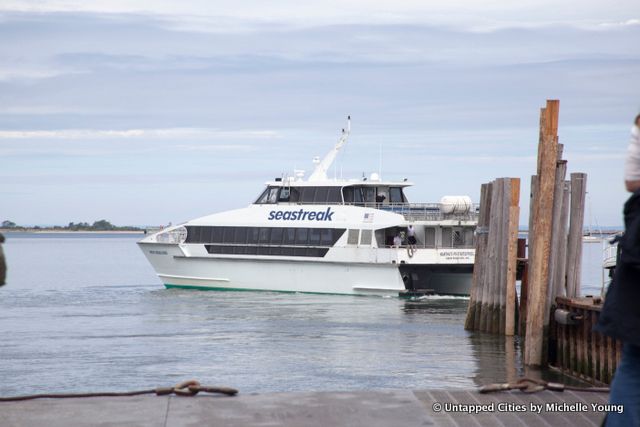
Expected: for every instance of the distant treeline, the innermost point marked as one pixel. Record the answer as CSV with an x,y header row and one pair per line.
x,y
101,225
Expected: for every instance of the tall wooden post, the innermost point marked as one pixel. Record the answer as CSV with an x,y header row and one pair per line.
x,y
542,221
512,258
576,224
557,259
482,230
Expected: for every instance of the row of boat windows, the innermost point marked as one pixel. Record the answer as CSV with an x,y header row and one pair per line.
x,y
323,195
287,236
449,237
427,237
267,250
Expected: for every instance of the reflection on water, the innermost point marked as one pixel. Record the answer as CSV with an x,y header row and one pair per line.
x,y
89,314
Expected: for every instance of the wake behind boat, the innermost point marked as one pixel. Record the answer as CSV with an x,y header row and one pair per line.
x,y
324,235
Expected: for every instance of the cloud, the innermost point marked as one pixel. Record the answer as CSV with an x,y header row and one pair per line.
x,y
171,133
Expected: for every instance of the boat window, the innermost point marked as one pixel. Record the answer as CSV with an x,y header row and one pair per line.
x,y
263,240
314,237
430,237
276,236
289,236
458,237
369,194
216,234
265,234
194,235
285,192
301,236
395,195
205,235
228,235
275,250
357,195
270,195
294,195
307,194
253,235
334,195
468,237
347,192
321,195
447,238
352,237
365,237
240,235
326,237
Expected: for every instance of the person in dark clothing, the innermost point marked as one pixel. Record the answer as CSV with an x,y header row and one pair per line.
x,y
620,315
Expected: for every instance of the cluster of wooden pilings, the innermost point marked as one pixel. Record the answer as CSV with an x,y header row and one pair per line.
x,y
552,265
492,307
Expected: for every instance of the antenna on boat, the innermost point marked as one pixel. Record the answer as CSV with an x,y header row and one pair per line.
x,y
320,172
380,161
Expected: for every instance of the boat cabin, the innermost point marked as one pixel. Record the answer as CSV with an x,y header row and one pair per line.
x,y
359,194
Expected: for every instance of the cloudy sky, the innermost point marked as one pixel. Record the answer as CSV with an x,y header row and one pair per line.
x,y
145,112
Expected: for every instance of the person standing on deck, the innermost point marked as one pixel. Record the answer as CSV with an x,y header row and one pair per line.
x,y
620,315
411,237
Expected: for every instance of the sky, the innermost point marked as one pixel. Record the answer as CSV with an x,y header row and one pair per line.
x,y
150,112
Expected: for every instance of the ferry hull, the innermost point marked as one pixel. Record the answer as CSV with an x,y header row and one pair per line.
x,y
176,270
236,273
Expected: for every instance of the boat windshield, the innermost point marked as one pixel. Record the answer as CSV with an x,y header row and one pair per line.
x,y
303,195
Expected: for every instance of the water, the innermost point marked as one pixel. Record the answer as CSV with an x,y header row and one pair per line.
x,y
87,313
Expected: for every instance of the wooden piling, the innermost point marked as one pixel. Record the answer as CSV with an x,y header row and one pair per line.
x,y
512,258
482,231
481,316
537,309
576,224
503,262
558,234
493,296
488,319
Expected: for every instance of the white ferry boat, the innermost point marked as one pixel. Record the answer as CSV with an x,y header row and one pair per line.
x,y
323,235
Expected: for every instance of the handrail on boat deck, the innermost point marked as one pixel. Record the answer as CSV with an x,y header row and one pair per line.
x,y
411,211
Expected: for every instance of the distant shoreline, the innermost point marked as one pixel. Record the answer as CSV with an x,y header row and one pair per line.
x,y
51,231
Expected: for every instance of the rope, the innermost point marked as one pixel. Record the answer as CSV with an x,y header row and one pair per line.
x,y
185,388
530,385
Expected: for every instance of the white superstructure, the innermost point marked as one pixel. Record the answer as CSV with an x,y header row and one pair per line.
x,y
323,235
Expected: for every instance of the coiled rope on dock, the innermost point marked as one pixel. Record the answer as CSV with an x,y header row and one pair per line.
x,y
185,388
531,385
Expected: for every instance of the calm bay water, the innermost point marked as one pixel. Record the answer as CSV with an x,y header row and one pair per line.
x,y
85,312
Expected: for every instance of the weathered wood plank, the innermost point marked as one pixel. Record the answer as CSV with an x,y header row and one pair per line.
x,y
512,253
537,311
475,301
576,224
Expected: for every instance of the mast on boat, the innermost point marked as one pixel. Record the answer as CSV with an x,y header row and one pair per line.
x,y
320,172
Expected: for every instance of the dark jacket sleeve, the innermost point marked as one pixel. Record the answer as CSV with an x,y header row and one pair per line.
x,y
620,316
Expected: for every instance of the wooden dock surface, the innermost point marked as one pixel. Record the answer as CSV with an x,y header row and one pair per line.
x,y
355,409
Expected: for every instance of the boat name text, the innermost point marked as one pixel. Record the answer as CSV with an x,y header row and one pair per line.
x,y
301,215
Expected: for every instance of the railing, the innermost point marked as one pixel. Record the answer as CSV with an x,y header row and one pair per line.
x,y
429,212
411,211
610,256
